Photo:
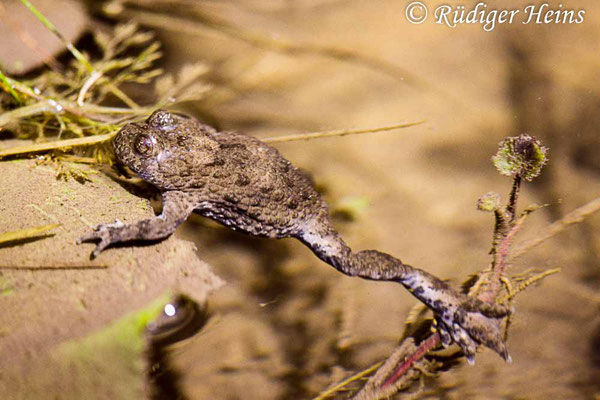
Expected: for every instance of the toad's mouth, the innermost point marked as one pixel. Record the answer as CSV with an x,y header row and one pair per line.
x,y
130,180
125,170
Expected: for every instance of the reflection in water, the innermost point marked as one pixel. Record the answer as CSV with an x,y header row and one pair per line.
x,y
181,318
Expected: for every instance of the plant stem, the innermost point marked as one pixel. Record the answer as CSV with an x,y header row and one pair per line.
x,y
210,22
341,132
333,390
426,345
38,231
9,87
76,53
25,111
514,196
58,144
500,229
574,217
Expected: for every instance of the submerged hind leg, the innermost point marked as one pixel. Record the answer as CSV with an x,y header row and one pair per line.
x,y
465,320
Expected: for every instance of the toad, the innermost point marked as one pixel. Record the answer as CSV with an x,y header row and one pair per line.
x,y
246,185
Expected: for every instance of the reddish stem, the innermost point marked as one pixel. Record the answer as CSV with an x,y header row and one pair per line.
x,y
425,346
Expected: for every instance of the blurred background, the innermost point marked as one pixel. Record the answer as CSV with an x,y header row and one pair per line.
x,y
288,325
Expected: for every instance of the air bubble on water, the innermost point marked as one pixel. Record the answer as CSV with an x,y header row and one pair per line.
x,y
170,310
56,106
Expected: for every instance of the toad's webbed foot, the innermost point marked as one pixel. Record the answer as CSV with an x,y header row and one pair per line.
x,y
107,234
465,320
473,323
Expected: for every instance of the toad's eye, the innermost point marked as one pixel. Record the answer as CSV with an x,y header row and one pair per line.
x,y
144,145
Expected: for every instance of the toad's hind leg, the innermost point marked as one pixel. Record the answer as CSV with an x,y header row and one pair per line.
x,y
462,319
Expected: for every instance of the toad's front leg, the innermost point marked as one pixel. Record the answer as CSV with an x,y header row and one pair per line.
x,y
176,208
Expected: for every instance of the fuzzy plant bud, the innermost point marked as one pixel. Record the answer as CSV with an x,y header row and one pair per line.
x,y
489,202
521,155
